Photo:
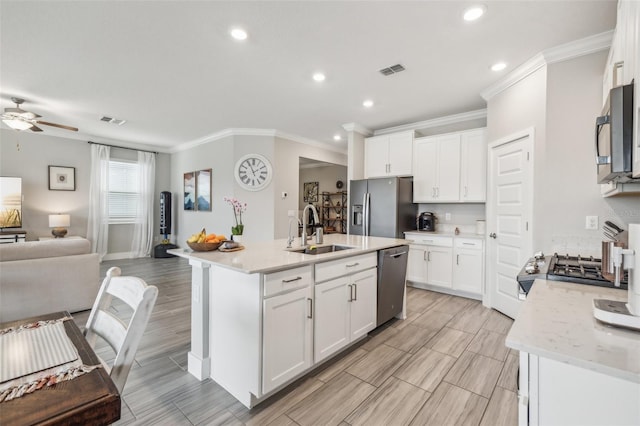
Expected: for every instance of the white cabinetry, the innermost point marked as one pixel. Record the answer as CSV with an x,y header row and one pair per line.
x,y
473,166
450,168
430,260
287,326
389,155
451,264
345,303
468,267
557,393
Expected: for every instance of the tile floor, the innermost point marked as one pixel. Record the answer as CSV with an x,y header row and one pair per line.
x,y
446,364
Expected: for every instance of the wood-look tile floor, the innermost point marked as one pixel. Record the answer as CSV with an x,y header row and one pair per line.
x,y
446,364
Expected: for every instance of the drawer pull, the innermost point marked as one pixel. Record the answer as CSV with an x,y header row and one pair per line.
x,y
352,265
469,244
292,280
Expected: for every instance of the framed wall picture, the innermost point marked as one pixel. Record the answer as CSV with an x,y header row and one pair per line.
x,y
310,192
62,178
203,190
189,182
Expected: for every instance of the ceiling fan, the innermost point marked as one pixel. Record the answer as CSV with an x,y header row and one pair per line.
x,y
19,119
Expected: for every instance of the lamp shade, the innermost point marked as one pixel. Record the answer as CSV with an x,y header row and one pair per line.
x,y
59,220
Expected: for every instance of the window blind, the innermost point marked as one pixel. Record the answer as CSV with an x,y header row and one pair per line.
x,y
124,178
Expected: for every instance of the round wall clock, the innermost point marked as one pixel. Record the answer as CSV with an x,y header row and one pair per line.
x,y
253,172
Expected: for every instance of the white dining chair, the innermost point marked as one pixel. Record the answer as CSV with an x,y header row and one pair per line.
x,y
123,337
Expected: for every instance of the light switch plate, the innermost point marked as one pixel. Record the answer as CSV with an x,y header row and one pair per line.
x,y
591,222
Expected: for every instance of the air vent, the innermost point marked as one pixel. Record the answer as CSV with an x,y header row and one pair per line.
x,y
393,69
113,120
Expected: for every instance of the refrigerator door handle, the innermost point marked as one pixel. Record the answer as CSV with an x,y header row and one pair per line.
x,y
367,214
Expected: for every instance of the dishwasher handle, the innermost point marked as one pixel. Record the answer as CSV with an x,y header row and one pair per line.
x,y
396,255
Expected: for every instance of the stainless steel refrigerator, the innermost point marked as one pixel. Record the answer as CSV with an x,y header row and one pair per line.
x,y
382,207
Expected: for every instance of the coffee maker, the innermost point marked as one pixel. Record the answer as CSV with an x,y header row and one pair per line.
x,y
426,222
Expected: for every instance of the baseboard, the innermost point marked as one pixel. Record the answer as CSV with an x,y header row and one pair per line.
x,y
117,256
446,290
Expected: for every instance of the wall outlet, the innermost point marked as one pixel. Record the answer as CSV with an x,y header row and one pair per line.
x,y
447,216
591,222
291,213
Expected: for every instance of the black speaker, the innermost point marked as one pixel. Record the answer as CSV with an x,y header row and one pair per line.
x,y
165,212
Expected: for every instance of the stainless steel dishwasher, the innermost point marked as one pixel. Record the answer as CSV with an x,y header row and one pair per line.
x,y
392,271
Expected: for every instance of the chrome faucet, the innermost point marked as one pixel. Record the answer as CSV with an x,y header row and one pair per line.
x,y
291,237
303,240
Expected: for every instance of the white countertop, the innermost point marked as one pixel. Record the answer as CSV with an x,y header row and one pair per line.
x,y
273,255
556,321
445,234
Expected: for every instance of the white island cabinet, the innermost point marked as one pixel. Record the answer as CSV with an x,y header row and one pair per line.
x,y
574,370
258,313
346,296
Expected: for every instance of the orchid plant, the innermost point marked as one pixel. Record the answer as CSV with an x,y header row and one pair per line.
x,y
238,209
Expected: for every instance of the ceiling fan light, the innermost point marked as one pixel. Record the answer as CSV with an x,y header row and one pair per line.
x,y
18,124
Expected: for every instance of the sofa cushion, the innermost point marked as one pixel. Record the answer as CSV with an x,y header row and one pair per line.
x,y
41,249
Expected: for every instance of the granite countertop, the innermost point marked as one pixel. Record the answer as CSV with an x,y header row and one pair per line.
x,y
273,255
556,321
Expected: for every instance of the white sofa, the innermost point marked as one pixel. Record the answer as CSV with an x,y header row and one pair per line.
x,y
39,277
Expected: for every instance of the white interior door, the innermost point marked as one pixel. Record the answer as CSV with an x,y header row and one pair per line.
x,y
509,214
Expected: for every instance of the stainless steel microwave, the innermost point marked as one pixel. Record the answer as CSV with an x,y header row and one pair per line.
x,y
614,136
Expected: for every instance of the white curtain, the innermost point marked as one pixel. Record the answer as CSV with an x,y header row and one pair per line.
x,y
142,243
98,226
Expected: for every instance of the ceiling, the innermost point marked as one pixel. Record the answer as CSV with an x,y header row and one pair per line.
x,y
173,72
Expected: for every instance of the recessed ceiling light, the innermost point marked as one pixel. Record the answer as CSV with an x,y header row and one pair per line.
x,y
498,66
368,103
474,12
337,138
239,34
319,76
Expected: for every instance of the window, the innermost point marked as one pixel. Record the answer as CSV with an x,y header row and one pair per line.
x,y
124,180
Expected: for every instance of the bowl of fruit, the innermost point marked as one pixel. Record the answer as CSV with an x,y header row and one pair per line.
x,y
205,242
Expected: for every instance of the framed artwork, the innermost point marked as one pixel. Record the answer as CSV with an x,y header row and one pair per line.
x,y
189,182
62,178
203,190
310,192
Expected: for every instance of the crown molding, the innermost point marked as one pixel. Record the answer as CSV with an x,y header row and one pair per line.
x,y
435,122
563,52
255,132
358,128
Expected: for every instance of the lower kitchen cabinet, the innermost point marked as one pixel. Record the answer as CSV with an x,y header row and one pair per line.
x,y
287,333
455,265
345,307
468,265
557,393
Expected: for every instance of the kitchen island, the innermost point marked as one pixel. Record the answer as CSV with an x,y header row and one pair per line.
x,y
574,370
265,315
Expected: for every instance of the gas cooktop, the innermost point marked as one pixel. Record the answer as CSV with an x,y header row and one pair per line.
x,y
574,269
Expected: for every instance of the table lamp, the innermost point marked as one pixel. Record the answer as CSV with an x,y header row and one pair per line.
x,y
59,222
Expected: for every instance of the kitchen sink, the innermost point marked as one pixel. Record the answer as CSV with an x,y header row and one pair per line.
x,y
320,249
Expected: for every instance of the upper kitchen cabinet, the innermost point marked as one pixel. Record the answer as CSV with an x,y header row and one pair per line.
x,y
389,155
450,168
473,166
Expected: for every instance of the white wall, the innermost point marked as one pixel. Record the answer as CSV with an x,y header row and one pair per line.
x,y
266,216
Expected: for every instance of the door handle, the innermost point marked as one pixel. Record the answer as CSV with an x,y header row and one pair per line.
x,y
493,235
310,315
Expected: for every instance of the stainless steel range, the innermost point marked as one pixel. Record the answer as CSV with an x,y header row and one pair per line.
x,y
575,269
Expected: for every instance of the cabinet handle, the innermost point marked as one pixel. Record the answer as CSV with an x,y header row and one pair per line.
x,y
355,291
428,256
433,192
468,244
352,265
457,259
350,293
437,192
466,191
292,280
424,255
310,307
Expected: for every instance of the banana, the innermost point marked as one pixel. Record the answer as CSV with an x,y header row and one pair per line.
x,y
199,237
